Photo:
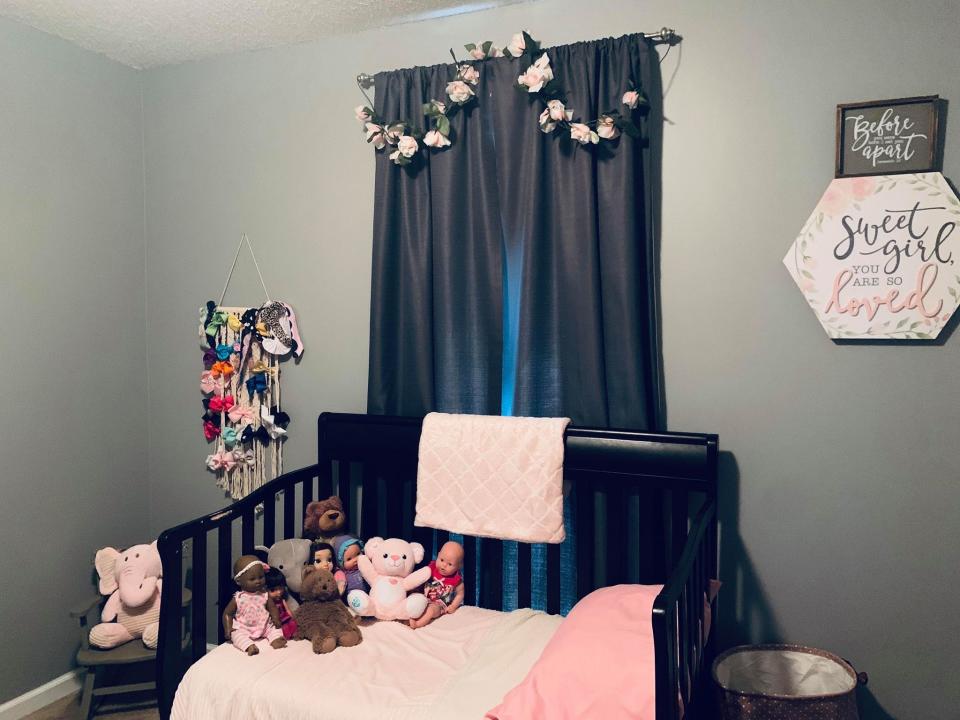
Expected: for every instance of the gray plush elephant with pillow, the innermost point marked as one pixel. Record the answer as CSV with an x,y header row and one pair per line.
x,y
132,579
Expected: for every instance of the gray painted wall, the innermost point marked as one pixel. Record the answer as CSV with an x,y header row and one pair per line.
x,y
73,432
840,487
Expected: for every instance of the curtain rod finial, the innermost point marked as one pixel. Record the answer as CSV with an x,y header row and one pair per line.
x,y
365,81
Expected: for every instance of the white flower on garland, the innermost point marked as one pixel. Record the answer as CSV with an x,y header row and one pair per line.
x,y
407,147
436,139
631,99
483,50
375,135
469,74
537,75
554,113
607,128
516,46
583,134
459,92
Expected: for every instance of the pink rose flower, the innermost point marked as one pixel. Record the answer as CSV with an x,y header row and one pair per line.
x,y
459,91
469,74
375,135
363,114
438,106
558,111
861,187
836,199
606,128
583,134
516,46
546,124
407,145
537,75
477,53
436,139
631,99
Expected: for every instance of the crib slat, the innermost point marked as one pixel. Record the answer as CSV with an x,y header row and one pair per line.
x,y
224,571
307,495
269,520
491,554
170,657
393,499
370,499
247,526
198,599
343,491
325,479
586,542
678,525
470,566
523,575
616,529
290,530
553,578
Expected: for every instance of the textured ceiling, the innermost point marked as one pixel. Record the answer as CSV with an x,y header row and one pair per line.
x,y
147,33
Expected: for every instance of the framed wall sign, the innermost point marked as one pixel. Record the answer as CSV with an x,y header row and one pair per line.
x,y
885,137
879,257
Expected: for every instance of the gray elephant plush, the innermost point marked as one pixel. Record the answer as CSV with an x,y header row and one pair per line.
x,y
132,579
289,557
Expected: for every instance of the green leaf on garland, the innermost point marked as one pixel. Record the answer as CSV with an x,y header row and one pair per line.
x,y
486,47
628,128
470,47
428,108
443,125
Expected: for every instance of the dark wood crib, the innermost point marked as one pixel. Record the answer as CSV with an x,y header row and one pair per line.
x,y
655,493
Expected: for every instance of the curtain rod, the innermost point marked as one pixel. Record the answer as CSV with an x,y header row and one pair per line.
x,y
663,36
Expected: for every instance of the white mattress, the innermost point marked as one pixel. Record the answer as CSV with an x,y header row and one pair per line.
x,y
459,666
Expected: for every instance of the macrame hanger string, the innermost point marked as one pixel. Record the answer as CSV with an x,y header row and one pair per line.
x,y
243,239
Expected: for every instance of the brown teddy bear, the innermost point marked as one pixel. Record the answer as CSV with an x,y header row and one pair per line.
x,y
322,618
324,520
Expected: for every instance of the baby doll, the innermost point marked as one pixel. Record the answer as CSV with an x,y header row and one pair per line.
x,y
444,589
323,559
286,606
348,550
251,614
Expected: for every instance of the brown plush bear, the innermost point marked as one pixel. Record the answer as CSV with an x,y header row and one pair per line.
x,y
324,520
322,618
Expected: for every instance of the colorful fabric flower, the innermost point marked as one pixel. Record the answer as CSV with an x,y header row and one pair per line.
x,y
458,91
220,461
224,351
217,320
233,322
230,437
221,404
537,75
607,128
516,46
436,139
469,74
209,357
208,383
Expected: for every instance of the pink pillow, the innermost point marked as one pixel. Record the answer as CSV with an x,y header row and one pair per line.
x,y
599,663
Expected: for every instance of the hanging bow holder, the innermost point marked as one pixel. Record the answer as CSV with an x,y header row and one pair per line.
x,y
243,420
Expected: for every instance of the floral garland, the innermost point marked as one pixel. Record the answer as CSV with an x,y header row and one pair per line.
x,y
538,79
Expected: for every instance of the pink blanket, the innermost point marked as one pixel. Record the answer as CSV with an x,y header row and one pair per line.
x,y
489,476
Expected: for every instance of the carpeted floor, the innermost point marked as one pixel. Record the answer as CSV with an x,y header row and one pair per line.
x,y
69,709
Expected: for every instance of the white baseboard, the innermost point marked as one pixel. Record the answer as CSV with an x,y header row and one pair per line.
x,y
40,697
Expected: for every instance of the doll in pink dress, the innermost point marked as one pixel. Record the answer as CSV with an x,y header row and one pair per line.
x,y
251,615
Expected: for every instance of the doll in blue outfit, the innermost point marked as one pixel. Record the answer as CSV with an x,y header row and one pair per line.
x,y
348,550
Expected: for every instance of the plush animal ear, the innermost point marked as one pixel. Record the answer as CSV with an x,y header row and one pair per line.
x,y
105,562
334,502
307,569
372,544
417,551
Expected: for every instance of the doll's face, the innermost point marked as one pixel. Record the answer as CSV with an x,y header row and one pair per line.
x,y
277,593
351,557
253,580
449,559
323,559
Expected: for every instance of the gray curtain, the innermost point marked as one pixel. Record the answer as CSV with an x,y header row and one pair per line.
x,y
514,271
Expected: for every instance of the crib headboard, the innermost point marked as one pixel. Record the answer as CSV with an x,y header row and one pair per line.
x,y
635,498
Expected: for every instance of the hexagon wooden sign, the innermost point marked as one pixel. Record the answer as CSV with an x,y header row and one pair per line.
x,y
876,259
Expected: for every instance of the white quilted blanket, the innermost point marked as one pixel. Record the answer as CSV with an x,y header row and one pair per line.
x,y
499,477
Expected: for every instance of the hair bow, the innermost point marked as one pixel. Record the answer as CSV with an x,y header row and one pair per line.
x,y
225,351
233,322
217,319
222,368
220,461
241,414
244,457
208,383
230,436
257,383
250,434
269,421
210,431
209,357
221,404
261,367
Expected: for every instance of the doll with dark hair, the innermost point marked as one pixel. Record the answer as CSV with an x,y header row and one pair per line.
x,y
286,606
323,558
251,615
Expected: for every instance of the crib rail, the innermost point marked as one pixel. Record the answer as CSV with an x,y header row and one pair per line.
x,y
642,487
